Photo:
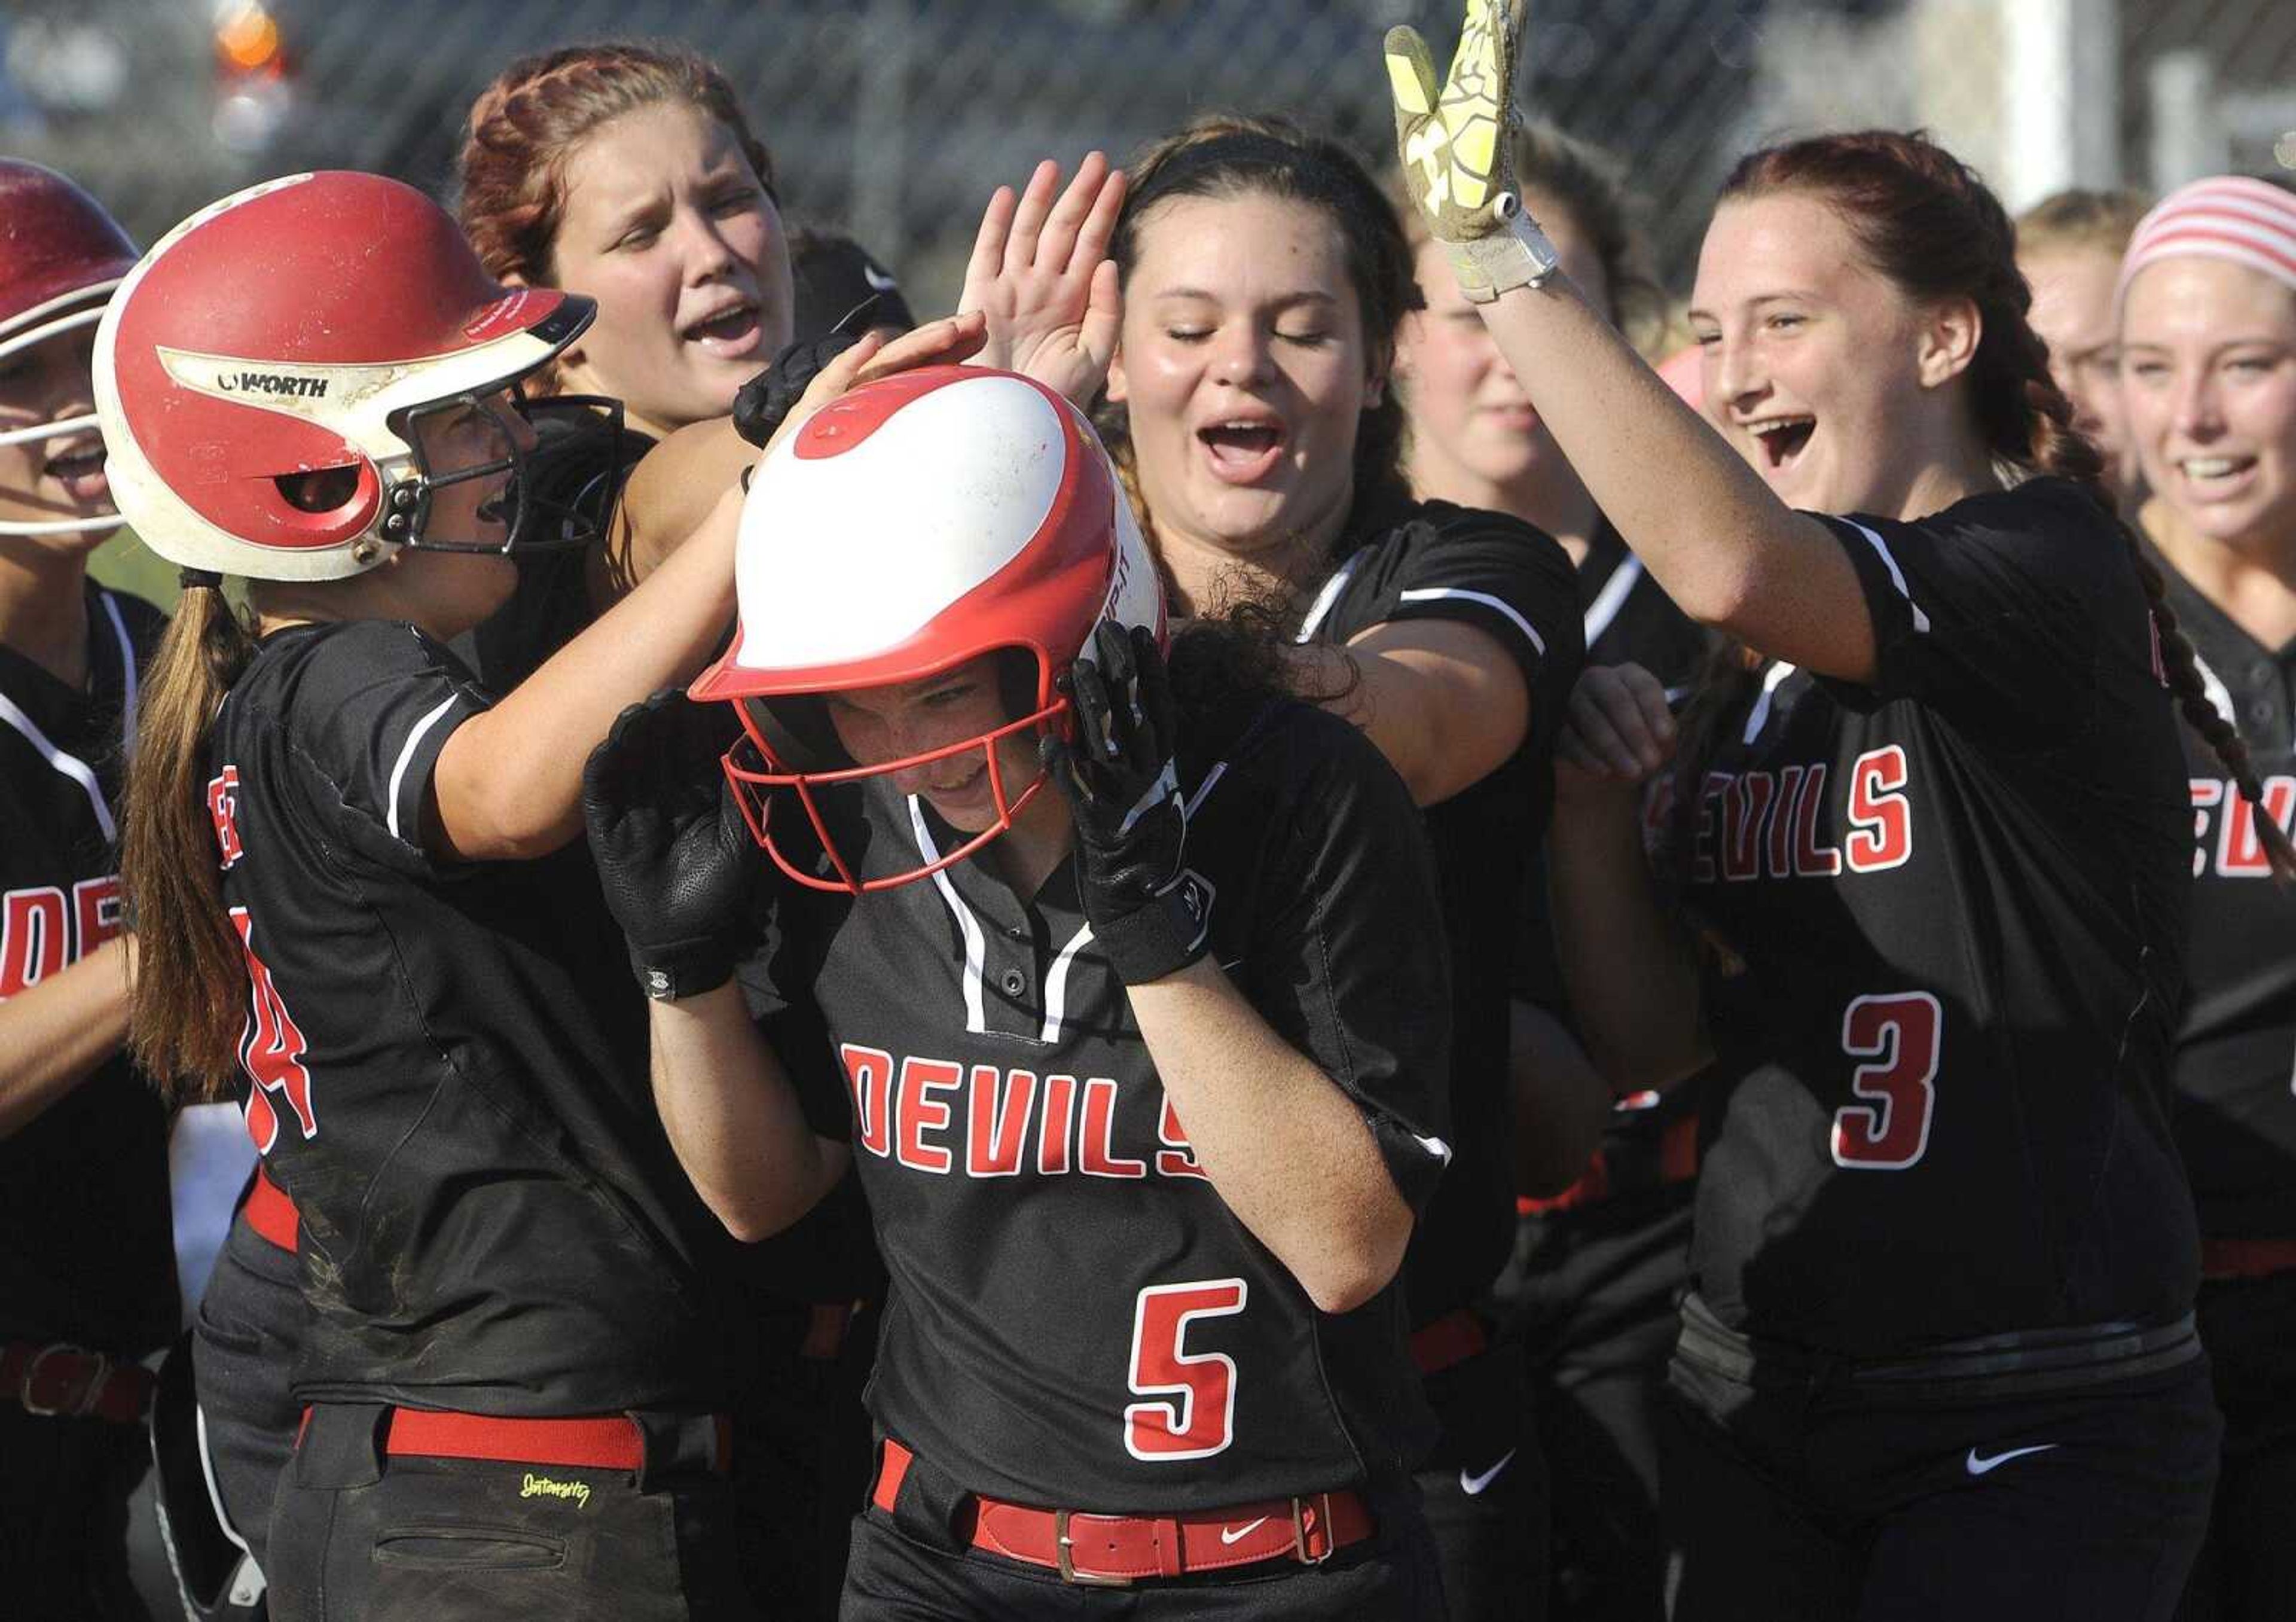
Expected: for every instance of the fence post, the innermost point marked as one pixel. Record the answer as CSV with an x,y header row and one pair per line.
x,y
2060,96
2188,139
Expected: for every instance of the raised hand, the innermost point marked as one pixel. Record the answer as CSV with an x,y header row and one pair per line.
x,y
1041,275
1453,143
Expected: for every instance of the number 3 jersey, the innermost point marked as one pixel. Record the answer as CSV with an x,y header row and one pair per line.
x,y
1950,909
1077,1321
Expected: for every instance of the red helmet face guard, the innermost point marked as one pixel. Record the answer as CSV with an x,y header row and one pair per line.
x,y
755,768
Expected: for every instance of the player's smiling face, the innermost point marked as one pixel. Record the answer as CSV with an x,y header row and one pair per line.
x,y
45,480
1812,358
2209,365
1244,370
668,228
1471,421
877,725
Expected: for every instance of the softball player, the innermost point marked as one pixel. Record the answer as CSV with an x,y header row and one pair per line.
x,y
1938,840
87,1277
1252,408
1143,1094
509,1327
2208,340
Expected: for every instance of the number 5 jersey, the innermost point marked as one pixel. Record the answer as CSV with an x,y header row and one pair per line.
x,y
1077,1321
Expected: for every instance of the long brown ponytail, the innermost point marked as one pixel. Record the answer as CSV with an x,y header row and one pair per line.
x,y
1931,225
190,993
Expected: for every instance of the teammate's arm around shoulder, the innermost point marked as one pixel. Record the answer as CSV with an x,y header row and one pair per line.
x,y
1442,700
1711,533
1320,1137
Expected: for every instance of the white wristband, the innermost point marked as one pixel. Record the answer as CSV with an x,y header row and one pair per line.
x,y
1518,256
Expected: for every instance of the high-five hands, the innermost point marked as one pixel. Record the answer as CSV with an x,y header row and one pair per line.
x,y
1457,163
1041,275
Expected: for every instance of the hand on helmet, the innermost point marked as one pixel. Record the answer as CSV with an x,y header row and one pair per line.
x,y
1118,773
1454,146
1041,275
804,377
674,858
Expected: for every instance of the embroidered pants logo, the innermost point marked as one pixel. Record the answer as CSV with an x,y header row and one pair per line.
x,y
1978,1466
543,1487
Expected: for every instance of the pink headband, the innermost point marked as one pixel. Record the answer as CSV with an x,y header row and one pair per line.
x,y
2226,217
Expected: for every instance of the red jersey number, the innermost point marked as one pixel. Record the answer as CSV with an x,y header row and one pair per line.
x,y
1898,1034
271,1051
1189,1412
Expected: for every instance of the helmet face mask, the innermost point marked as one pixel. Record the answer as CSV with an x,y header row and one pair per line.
x,y
766,773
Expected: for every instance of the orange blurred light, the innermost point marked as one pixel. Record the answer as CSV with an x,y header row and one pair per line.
x,y
247,39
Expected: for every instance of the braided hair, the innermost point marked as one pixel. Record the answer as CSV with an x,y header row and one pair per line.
x,y
525,127
1932,227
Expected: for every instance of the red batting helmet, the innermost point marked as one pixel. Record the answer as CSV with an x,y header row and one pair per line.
x,y
60,256
330,322
910,526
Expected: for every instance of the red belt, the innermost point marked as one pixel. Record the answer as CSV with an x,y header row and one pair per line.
x,y
1449,1340
607,1441
2246,1258
269,1212
1677,1162
1115,1550
71,1381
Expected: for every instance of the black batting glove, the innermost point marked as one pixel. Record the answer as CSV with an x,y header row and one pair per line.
x,y
764,402
1131,819
679,869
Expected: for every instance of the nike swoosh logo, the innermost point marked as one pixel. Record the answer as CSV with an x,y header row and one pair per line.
x,y
1979,1466
1473,1486
1234,1535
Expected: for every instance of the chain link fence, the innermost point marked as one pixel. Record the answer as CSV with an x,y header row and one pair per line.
x,y
895,118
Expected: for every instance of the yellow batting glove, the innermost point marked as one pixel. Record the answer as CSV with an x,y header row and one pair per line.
x,y
1456,165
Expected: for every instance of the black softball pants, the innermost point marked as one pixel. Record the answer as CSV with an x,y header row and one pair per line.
x,y
1800,1492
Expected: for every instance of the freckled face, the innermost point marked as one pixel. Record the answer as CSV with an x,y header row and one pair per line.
x,y
1810,354
876,725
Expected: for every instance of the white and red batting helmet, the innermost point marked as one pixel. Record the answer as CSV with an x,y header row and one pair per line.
x,y
906,528
60,257
308,325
